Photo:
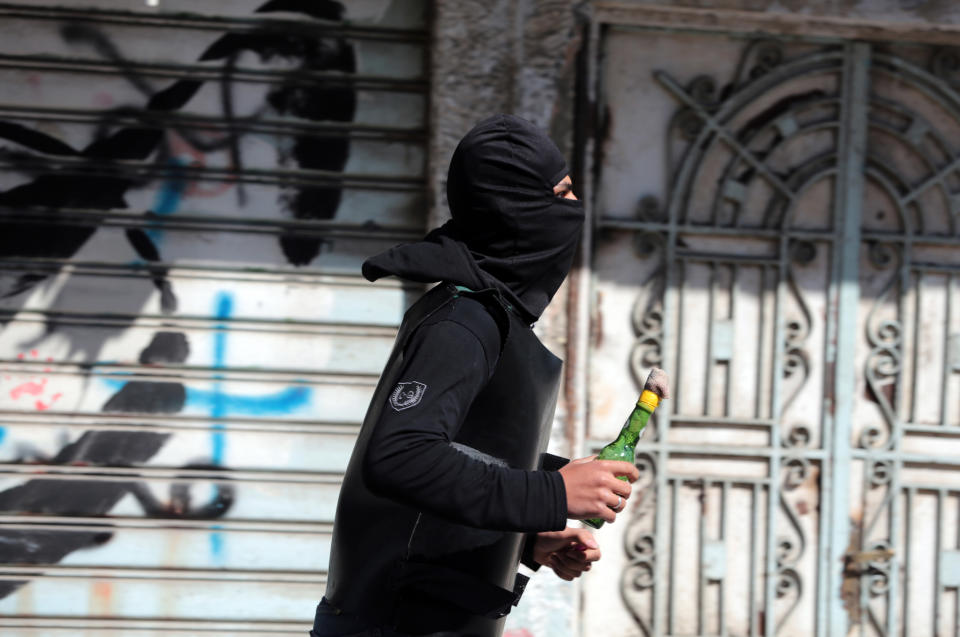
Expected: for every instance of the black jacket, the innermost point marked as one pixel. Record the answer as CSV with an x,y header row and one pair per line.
x,y
442,483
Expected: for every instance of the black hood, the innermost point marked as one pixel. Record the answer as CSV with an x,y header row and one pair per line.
x,y
508,230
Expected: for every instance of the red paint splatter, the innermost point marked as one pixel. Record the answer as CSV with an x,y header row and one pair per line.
x,y
196,159
28,388
102,598
35,388
43,407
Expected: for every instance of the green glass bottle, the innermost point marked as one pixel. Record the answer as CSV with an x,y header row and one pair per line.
x,y
623,448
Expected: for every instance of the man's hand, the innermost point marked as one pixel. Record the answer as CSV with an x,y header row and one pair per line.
x,y
568,552
593,490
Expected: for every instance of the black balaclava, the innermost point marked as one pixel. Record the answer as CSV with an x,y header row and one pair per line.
x,y
508,230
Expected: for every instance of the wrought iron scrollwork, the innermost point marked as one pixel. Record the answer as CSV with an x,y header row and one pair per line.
x,y
798,436
803,252
758,59
880,473
790,549
649,209
640,544
647,313
646,243
883,364
877,570
641,553
797,471
945,63
796,360
688,122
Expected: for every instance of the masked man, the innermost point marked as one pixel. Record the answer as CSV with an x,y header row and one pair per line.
x,y
448,487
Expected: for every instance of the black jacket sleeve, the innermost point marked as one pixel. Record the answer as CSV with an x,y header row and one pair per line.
x,y
410,458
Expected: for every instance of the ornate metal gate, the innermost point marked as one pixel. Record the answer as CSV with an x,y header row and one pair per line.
x,y
792,262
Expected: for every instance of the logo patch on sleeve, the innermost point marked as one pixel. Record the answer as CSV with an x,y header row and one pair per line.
x,y
407,395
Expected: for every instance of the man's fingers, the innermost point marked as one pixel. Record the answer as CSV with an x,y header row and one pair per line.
x,y
583,460
575,560
615,501
621,488
621,468
607,514
582,537
591,555
597,489
563,571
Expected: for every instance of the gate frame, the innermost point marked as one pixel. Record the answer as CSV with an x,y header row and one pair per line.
x,y
832,620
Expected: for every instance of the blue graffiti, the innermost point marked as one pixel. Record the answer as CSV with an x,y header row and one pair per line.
x,y
220,405
170,194
216,544
223,311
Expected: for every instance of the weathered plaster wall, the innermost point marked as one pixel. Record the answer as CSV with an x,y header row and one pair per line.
x,y
514,56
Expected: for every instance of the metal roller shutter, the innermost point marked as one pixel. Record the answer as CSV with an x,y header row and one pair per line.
x,y
187,191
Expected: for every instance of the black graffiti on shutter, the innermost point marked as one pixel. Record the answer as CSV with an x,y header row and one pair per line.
x,y
95,498
306,100
311,101
20,237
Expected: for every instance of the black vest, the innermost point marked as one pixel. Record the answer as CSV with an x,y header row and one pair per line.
x,y
416,572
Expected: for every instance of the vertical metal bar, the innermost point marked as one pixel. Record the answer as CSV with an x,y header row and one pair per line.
x,y
956,613
864,590
754,545
956,597
893,526
848,199
702,589
937,575
893,585
730,315
776,407
823,574
711,319
907,564
761,297
671,358
945,377
681,267
724,494
675,494
916,347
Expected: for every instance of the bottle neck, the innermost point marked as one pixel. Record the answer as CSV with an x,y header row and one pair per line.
x,y
636,423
